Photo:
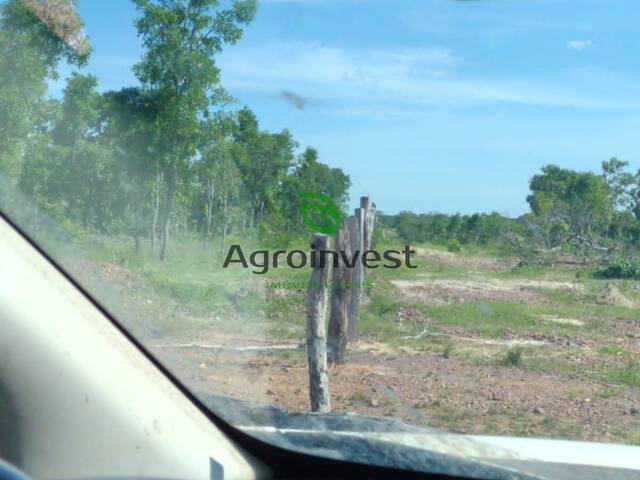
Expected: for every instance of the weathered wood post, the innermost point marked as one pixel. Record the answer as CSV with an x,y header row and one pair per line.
x,y
369,221
341,291
360,228
356,242
316,325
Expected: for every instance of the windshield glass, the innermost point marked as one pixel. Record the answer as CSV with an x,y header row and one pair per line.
x,y
402,216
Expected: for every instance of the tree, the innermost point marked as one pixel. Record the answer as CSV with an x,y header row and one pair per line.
x,y
311,175
618,181
87,178
131,131
577,203
263,160
635,196
39,166
218,177
34,36
181,39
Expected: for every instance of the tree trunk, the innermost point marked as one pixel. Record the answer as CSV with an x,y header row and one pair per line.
x,y
340,297
136,227
316,340
171,188
260,212
209,214
156,210
224,224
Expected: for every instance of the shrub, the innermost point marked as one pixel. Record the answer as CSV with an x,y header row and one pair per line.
x,y
512,357
627,268
453,246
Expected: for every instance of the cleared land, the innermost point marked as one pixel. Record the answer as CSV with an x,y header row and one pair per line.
x,y
466,342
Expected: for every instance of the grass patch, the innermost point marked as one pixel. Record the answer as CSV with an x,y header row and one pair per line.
x,y
490,319
512,357
628,375
612,350
359,397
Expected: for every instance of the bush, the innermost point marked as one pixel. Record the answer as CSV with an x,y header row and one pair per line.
x,y
448,350
453,246
627,268
512,358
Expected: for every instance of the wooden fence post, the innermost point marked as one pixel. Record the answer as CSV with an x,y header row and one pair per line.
x,y
369,221
316,324
356,241
360,229
341,291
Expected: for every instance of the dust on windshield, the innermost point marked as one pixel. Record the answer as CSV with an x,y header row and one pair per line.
x,y
429,216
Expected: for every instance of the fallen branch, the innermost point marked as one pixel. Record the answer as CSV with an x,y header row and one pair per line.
x,y
248,348
424,333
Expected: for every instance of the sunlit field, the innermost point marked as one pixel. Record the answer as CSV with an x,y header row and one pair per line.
x,y
468,342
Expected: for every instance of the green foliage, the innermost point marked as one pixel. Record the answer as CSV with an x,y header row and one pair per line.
x,y
30,50
181,39
622,268
569,206
165,156
512,357
476,229
453,246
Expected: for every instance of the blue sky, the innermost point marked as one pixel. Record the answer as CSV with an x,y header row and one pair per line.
x,y
429,105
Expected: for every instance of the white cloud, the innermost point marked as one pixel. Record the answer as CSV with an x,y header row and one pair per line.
x,y
315,66
578,44
401,78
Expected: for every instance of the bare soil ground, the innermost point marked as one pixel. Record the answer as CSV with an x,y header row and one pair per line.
x,y
423,388
570,369
443,291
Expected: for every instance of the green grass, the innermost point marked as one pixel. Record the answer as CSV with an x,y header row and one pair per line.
x,y
628,375
612,350
490,319
191,289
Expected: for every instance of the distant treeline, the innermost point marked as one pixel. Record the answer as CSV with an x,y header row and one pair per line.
x,y
479,228
585,213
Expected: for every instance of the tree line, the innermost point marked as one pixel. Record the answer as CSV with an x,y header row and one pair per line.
x,y
593,215
170,154
174,153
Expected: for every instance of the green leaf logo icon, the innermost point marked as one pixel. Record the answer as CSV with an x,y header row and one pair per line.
x,y
320,213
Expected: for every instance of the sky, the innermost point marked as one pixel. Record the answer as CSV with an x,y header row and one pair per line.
x,y
428,105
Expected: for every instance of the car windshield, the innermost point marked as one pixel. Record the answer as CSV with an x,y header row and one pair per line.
x,y
408,216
